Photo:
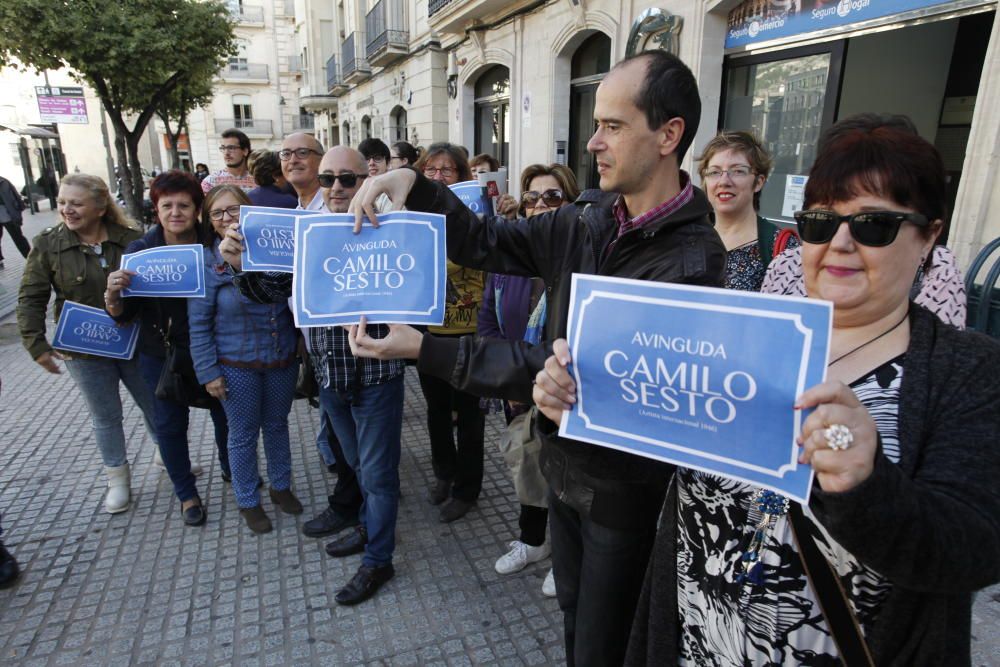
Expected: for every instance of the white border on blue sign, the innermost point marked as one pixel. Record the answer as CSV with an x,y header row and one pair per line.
x,y
199,254
249,220
69,307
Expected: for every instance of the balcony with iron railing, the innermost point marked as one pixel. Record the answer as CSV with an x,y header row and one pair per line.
x,y
388,36
253,127
455,16
433,6
248,14
356,67
245,72
303,122
334,82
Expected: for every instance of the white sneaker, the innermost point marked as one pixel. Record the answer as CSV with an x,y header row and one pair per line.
x,y
119,494
520,555
158,462
549,585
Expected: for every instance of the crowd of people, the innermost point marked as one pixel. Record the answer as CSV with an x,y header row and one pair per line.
x,y
651,563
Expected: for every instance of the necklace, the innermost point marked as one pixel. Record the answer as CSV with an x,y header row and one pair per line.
x,y
872,340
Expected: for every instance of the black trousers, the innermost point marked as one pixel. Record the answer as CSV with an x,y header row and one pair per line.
x,y
346,497
461,465
598,573
532,522
14,229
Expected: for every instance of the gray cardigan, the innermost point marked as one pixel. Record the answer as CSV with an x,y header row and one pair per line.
x,y
930,524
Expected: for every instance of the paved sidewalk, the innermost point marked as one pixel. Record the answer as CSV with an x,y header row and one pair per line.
x,y
140,589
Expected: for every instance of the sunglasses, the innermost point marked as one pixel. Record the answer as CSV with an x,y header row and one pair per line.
x,y
869,228
551,198
347,180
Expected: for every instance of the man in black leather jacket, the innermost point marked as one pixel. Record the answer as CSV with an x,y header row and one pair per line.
x,y
647,222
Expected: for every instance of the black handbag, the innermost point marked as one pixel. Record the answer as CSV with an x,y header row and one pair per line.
x,y
178,382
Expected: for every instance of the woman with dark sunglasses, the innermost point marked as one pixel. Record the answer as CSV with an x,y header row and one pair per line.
x,y
904,515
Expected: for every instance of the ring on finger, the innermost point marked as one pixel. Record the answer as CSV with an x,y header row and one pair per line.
x,y
838,437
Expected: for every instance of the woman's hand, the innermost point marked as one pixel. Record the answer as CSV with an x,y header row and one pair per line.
x,y
403,342
47,360
837,470
507,206
231,247
117,281
217,388
554,389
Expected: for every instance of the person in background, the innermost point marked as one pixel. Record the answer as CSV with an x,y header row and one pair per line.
x,y
514,309
235,149
377,155
272,188
245,355
177,199
483,163
734,168
9,569
458,471
73,259
403,154
201,171
11,205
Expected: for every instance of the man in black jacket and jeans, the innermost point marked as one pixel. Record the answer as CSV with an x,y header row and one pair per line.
x,y
648,223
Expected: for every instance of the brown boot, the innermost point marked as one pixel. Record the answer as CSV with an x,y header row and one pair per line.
x,y
286,500
256,519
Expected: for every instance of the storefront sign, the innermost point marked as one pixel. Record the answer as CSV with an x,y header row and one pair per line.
x,y
701,377
90,330
754,21
471,194
795,194
269,237
395,273
170,271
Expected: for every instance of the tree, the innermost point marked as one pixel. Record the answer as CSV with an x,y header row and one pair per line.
x,y
185,98
133,53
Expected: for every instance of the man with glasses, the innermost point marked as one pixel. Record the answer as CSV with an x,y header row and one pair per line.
x,y
376,154
300,156
362,397
235,149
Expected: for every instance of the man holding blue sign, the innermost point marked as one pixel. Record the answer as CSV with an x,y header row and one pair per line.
x,y
649,223
364,398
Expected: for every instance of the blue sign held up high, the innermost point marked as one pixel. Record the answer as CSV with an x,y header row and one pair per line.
x,y
393,273
90,330
705,378
269,237
170,271
473,195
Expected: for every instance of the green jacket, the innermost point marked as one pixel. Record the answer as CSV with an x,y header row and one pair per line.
x,y
59,261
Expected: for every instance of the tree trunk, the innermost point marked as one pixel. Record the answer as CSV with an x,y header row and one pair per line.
x,y
172,140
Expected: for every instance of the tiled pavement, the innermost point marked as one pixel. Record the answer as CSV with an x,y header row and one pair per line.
x,y
140,588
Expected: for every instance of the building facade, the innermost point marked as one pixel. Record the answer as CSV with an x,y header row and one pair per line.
x,y
517,79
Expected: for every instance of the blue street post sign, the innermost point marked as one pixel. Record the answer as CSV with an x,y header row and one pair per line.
x,y
90,330
701,377
393,273
473,195
269,237
170,271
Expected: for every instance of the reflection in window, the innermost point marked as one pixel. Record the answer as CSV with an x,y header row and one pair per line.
x,y
493,113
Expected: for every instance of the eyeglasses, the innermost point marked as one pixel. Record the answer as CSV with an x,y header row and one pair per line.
x,y
735,173
219,213
375,158
302,153
228,149
347,180
869,228
447,172
551,198
395,157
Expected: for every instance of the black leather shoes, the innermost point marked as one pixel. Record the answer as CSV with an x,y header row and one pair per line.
x,y
194,515
328,523
364,584
9,571
440,491
351,543
455,509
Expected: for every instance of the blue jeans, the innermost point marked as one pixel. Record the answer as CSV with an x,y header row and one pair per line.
x,y
170,420
323,439
257,403
98,381
369,427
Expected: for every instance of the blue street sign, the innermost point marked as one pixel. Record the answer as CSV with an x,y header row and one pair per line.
x,y
473,195
171,271
269,237
92,331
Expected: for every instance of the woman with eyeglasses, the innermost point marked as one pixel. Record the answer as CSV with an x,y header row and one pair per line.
x,y
458,470
403,154
904,514
514,309
245,354
73,259
177,198
734,168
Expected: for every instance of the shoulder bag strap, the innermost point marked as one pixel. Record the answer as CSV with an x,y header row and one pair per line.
x,y
833,601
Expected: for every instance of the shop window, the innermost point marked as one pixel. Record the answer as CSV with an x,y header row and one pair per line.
x,y
492,91
590,63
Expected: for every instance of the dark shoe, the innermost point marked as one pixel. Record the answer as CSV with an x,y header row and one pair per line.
x,y
194,515
455,509
9,571
286,500
440,491
364,584
352,543
227,477
256,519
327,523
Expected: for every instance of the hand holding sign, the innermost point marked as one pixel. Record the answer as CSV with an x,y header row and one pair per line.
x,y
166,271
554,391
395,184
403,342
231,247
